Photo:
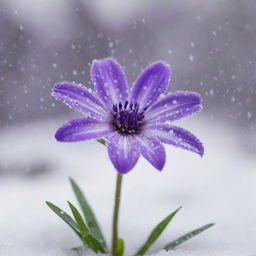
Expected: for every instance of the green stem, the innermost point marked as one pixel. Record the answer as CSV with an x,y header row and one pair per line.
x,y
116,213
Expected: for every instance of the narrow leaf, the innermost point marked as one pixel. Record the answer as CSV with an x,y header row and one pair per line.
x,y
88,238
102,141
88,213
156,232
64,216
93,243
119,247
80,222
187,236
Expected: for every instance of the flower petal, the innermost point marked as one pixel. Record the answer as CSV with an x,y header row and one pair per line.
x,y
109,81
82,129
151,149
174,106
122,152
79,98
177,137
151,83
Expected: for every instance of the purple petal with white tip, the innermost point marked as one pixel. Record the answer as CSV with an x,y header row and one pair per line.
x,y
81,129
152,150
79,98
109,82
151,83
174,106
177,137
122,152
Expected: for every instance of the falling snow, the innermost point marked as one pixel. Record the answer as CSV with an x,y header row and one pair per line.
x,y
191,57
210,46
74,72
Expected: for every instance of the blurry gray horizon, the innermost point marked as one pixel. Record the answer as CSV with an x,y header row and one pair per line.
x,y
209,44
211,47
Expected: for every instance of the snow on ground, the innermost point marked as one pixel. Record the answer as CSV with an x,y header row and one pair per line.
x,y
218,188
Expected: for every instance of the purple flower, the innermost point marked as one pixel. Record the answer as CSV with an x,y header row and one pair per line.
x,y
134,122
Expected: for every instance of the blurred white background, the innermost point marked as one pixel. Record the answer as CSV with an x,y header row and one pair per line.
x,y
211,48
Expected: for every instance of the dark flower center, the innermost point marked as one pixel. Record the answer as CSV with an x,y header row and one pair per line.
x,y
127,119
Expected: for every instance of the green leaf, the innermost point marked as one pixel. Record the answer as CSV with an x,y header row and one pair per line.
x,y
64,216
88,213
156,232
102,141
80,222
88,238
187,236
119,247
93,243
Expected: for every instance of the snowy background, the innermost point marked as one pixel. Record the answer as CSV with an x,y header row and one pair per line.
x,y
210,45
